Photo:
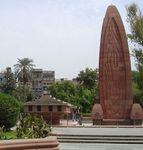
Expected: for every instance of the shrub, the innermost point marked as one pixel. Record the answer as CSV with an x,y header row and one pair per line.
x,y
2,135
32,127
9,111
86,114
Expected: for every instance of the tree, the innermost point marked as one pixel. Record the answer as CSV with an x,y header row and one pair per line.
x,y
9,111
135,20
75,94
65,91
9,84
81,93
23,71
18,93
137,87
88,78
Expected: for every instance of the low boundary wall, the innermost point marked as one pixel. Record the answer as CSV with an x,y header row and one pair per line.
x,y
49,143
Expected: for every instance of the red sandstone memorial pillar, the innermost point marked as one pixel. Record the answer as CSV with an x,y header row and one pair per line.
x,y
115,88
114,68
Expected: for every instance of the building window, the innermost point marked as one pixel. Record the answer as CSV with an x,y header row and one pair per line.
x,y
30,108
50,108
38,108
59,108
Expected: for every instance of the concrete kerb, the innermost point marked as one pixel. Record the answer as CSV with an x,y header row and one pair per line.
x,y
50,142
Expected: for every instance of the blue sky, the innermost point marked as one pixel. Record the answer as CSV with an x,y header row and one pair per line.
x,y
59,35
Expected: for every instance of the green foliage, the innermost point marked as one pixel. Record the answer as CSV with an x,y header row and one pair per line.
x,y
88,78
7,135
21,106
86,114
136,93
9,111
81,93
32,127
23,69
135,76
10,134
23,73
23,93
9,84
2,135
137,83
135,20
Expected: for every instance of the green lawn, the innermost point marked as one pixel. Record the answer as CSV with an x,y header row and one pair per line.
x,y
9,135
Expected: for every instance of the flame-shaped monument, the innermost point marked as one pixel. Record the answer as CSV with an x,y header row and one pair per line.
x,y
115,87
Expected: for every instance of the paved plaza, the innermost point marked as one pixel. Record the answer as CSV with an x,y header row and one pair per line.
x,y
98,131
88,146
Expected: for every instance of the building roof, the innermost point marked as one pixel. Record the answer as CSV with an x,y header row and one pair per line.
x,y
47,100
36,70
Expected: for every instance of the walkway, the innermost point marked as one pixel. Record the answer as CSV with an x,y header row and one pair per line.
x,y
87,146
99,131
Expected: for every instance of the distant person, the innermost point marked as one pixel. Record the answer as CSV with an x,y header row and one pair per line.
x,y
73,112
78,116
80,119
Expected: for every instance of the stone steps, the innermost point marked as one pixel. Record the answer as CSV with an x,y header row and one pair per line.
x,y
102,138
101,141
122,139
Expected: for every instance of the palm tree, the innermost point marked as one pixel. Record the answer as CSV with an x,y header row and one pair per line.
x,y
23,71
